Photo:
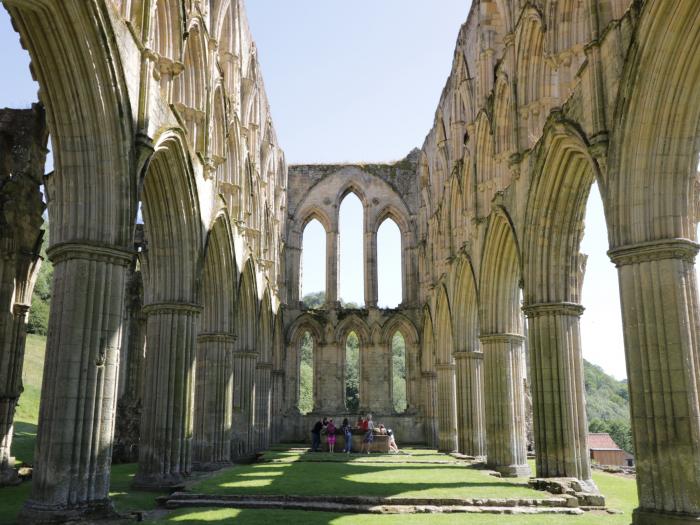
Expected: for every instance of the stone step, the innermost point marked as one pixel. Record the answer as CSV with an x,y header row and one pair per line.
x,y
320,505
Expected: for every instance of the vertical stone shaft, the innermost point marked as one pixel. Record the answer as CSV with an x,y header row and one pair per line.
x,y
659,300
331,267
447,408
556,381
263,389
78,394
504,390
213,401
243,396
371,290
278,396
13,333
430,408
165,455
471,432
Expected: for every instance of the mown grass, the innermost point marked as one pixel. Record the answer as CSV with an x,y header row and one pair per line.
x,y
621,494
297,472
378,475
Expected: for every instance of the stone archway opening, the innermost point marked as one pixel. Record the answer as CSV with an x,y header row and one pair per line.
x,y
313,265
306,374
352,372
351,275
398,373
389,267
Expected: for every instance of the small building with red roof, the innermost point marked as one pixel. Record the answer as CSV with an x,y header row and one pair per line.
x,y
604,451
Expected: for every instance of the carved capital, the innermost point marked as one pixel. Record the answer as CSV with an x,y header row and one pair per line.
x,y
171,308
469,355
91,251
562,308
216,337
683,249
502,338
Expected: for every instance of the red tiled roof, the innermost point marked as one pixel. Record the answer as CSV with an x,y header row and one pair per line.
x,y
601,441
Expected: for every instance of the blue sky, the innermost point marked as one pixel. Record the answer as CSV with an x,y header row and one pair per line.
x,y
360,81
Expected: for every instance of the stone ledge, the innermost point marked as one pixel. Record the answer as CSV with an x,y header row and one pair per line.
x,y
373,505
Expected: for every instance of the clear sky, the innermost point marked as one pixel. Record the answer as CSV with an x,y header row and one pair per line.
x,y
360,81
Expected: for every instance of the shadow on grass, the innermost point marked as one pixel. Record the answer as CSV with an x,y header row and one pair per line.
x,y
356,477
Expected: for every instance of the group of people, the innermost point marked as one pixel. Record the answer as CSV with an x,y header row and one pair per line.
x,y
366,425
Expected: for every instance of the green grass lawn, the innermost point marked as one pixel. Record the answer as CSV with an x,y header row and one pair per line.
x,y
299,473
378,475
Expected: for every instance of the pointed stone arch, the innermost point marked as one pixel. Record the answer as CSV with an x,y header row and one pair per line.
x,y
215,345
172,270
471,430
502,342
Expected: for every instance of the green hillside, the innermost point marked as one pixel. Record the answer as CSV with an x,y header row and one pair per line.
x,y
607,405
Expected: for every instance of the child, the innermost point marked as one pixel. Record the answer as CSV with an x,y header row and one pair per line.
x,y
330,431
393,447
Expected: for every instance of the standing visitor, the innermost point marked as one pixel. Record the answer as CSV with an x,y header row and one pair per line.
x,y
316,436
347,432
330,431
369,435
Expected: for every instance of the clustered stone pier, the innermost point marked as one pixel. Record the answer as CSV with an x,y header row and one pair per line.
x,y
176,237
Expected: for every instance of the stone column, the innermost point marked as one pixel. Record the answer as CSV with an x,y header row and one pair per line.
x,y
371,291
263,387
447,408
13,333
278,396
213,401
504,390
659,301
471,431
413,377
375,378
78,394
329,384
430,408
128,420
331,267
558,391
243,396
165,456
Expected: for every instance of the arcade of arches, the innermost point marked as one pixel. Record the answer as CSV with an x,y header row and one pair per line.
x,y
191,323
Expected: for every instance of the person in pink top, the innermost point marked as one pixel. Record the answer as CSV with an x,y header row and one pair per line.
x,y
330,432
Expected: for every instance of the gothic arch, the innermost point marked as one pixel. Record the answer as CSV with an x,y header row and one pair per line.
x,y
465,307
653,165
399,323
171,218
500,278
353,323
444,337
305,323
564,173
168,29
427,343
219,279
265,329
191,86
247,311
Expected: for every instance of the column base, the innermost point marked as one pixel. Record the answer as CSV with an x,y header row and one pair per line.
x,y
514,471
159,483
34,512
656,517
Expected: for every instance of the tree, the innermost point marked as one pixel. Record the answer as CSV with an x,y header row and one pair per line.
x,y
306,375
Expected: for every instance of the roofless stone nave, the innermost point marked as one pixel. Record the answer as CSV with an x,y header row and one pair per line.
x,y
161,103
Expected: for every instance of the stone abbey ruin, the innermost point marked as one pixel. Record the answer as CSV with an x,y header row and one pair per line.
x,y
182,331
